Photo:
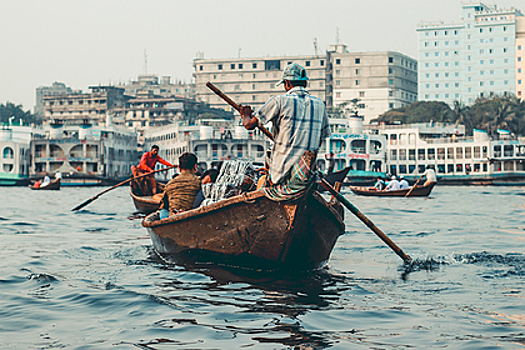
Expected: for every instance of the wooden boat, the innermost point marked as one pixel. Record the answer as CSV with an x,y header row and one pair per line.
x,y
54,185
419,191
250,230
332,178
146,204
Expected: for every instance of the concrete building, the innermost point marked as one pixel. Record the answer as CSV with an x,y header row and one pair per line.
x,y
150,84
79,107
56,88
370,82
520,57
476,57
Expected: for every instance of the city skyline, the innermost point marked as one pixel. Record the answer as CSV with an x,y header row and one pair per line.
x,y
84,44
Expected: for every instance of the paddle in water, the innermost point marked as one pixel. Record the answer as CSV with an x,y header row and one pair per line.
x,y
83,204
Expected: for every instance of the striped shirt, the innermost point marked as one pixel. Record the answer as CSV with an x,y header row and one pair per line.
x,y
300,123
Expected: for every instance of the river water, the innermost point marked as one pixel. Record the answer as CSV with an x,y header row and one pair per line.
x,y
91,280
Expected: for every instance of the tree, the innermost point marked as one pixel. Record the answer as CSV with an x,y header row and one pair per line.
x,y
10,110
418,112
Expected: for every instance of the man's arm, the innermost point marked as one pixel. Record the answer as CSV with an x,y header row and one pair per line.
x,y
165,162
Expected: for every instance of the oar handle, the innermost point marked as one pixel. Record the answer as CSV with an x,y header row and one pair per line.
x,y
236,107
366,221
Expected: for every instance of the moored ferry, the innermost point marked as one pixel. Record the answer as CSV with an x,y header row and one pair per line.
x,y
15,141
364,153
212,140
86,155
456,158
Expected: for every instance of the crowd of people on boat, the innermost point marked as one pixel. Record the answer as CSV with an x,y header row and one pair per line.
x,y
402,184
47,180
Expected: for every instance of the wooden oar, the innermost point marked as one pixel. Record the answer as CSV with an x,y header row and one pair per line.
x,y
413,187
366,221
236,107
326,185
83,204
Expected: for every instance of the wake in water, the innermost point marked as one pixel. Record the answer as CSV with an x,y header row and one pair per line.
x,y
513,263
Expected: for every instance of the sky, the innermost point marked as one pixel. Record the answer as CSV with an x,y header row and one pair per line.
x,y
101,42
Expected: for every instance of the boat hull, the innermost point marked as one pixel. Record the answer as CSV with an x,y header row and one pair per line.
x,y
53,186
144,204
419,191
252,231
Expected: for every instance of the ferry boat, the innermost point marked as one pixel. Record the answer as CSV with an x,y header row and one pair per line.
x,y
364,153
457,159
85,155
15,141
211,140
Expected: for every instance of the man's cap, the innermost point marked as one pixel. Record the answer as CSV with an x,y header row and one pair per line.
x,y
393,177
293,72
401,177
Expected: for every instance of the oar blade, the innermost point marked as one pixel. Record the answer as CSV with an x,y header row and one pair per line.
x,y
83,204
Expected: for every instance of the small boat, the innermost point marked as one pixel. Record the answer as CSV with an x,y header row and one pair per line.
x,y
250,230
53,185
419,191
332,178
146,204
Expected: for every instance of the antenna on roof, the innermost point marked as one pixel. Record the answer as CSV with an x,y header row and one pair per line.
x,y
337,35
315,46
145,62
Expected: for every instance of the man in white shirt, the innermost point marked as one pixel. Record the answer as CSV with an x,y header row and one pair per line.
x,y
393,185
403,184
46,181
430,176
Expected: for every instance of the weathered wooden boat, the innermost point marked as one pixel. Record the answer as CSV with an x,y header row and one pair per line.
x,y
145,204
332,178
54,185
419,191
252,231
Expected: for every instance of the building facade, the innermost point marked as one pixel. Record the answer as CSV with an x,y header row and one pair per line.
x,y
56,88
150,84
476,57
369,82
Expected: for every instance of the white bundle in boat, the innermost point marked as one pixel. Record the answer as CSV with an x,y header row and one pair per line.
x,y
232,175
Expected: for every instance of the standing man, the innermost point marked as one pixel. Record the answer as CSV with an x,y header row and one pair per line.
x,y
300,124
430,176
147,165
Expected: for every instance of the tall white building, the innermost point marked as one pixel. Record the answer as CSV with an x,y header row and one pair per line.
x,y
476,57
374,81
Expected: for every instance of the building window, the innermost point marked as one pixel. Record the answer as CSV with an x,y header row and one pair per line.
x,y
390,93
338,82
307,63
240,66
337,61
219,67
232,66
391,105
357,61
357,82
357,71
391,59
254,66
390,81
201,67
321,62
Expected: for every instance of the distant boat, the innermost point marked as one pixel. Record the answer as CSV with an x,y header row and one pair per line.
x,y
146,204
250,230
53,185
419,191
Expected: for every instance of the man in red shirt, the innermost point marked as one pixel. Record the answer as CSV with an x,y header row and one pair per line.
x,y
146,165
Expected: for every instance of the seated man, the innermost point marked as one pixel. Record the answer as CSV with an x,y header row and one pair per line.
x,y
379,186
403,184
393,185
208,177
47,181
180,192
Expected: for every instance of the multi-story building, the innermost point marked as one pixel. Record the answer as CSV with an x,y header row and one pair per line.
x,y
520,58
476,57
373,81
78,107
149,84
55,89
